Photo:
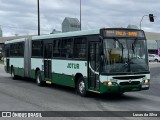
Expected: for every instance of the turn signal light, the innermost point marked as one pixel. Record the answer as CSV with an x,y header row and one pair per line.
x,y
105,83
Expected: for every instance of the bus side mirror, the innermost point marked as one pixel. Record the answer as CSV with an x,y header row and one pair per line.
x,y
101,45
101,62
101,38
101,58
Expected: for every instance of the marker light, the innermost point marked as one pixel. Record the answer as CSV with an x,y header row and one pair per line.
x,y
105,83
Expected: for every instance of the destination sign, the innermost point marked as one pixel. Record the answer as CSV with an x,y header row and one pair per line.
x,y
123,33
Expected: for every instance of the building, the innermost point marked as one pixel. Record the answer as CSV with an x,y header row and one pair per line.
x,y
3,39
1,33
70,24
153,42
54,31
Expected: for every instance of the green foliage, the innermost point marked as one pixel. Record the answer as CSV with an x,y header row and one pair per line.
x,y
1,62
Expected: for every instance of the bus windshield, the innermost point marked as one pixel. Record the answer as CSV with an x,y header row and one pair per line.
x,y
123,55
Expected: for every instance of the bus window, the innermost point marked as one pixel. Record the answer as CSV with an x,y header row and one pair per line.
x,y
13,49
48,50
7,53
21,49
37,48
80,48
67,48
56,48
17,49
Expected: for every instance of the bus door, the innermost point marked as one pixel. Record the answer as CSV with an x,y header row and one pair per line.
x,y
7,55
93,66
48,61
7,65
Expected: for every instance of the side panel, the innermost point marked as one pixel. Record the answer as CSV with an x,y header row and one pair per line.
x,y
63,71
69,67
36,63
18,64
27,58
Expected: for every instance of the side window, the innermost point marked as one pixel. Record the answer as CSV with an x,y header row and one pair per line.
x,y
48,50
67,48
37,49
56,48
80,46
7,52
13,49
21,49
17,49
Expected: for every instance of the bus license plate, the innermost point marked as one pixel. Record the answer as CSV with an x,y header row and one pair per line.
x,y
144,86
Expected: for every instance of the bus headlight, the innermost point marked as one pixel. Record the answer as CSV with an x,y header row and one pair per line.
x,y
109,83
146,81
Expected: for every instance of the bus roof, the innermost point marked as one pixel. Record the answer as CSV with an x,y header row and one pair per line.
x,y
15,40
68,34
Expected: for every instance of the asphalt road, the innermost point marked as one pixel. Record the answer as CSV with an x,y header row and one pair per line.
x,y
25,95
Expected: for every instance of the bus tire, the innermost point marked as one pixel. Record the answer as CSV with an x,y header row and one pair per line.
x,y
156,60
14,77
39,79
120,94
81,88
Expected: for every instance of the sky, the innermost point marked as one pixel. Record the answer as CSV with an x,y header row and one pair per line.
x,y
19,17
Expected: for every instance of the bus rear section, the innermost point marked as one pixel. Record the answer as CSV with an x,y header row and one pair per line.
x,y
16,57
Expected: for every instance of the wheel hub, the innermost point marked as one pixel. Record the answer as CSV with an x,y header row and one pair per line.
x,y
81,87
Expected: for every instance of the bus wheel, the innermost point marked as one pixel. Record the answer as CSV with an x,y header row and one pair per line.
x,y
119,94
81,88
156,60
39,79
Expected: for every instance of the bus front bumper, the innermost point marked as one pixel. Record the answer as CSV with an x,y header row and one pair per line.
x,y
125,88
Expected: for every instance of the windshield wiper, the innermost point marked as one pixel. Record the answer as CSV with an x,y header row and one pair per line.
x,y
133,44
115,39
118,42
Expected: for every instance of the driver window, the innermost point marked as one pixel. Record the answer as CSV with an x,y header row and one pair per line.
x,y
115,53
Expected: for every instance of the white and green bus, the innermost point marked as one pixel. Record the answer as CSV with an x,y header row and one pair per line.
x,y
108,60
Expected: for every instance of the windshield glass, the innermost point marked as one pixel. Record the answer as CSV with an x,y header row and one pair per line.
x,y
125,55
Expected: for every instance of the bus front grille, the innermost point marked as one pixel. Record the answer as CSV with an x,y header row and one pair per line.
x,y
130,83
